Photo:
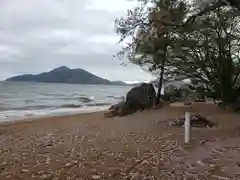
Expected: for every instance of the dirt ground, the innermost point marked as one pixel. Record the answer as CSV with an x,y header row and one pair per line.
x,y
140,146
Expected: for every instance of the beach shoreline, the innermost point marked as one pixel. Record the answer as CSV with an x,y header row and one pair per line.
x,y
71,112
89,146
26,100
32,119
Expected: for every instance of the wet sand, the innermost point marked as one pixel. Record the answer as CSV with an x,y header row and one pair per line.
x,y
139,146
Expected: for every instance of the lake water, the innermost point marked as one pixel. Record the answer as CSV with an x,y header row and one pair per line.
x,y
22,100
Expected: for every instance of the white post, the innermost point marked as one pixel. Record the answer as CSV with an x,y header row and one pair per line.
x,y
187,126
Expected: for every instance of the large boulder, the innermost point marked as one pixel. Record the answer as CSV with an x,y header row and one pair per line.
x,y
110,113
121,109
138,98
127,108
141,97
113,110
150,92
168,97
170,93
117,106
170,90
200,91
231,106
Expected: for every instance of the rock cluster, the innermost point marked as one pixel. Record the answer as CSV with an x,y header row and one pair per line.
x,y
138,98
195,121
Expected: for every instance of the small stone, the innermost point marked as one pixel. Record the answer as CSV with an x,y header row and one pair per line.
x,y
238,164
134,175
96,176
200,163
68,164
46,176
24,170
212,165
203,141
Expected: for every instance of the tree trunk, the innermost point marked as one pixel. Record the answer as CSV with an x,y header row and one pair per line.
x,y
160,82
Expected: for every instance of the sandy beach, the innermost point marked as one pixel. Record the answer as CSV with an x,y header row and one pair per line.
x,y
139,146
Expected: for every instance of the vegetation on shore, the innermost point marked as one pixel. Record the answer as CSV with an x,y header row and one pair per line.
x,y
178,39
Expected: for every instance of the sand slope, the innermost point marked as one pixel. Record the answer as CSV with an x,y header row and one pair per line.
x,y
139,146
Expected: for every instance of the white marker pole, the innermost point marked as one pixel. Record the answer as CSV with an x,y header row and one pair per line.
x,y
187,126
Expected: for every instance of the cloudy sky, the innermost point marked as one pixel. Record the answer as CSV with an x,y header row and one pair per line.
x,y
39,35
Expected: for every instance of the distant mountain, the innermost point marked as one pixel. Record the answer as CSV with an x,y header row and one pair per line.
x,y
64,74
119,83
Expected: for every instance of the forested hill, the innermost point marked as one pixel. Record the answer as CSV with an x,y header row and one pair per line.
x,y
64,74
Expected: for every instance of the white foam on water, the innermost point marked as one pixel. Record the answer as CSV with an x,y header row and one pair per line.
x,y
28,100
22,115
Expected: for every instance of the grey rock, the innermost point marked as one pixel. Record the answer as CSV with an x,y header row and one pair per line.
x,y
141,97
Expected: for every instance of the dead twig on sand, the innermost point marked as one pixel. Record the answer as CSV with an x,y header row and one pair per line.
x,y
156,155
138,163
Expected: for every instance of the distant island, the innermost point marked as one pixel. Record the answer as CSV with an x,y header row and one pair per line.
x,y
64,74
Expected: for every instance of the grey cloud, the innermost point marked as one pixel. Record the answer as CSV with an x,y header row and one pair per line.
x,y
39,35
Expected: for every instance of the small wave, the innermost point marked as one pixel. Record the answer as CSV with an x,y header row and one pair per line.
x,y
78,94
98,104
70,106
116,97
49,94
81,99
37,107
29,101
57,98
85,99
26,108
3,108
